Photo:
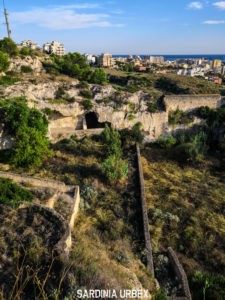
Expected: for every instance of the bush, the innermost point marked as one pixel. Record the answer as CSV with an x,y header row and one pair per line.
x,y
82,85
12,194
48,111
179,117
51,68
111,138
194,149
60,93
203,112
9,46
132,136
8,80
167,142
207,286
26,69
25,51
29,127
30,149
152,107
115,168
98,76
4,62
131,117
86,94
87,104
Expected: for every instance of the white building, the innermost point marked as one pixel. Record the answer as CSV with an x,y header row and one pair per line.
x,y
30,44
54,48
192,72
90,59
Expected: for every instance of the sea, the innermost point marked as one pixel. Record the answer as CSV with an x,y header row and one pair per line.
x,y
183,56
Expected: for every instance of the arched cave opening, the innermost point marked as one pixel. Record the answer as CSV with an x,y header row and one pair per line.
x,y
92,121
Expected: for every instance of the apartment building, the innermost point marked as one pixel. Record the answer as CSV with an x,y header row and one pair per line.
x,y
54,48
30,44
105,60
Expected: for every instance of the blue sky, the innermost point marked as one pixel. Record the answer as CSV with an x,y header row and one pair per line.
x,y
121,26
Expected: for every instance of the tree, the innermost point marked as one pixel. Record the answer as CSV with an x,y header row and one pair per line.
x,y
112,140
9,46
98,76
4,62
30,149
29,127
115,168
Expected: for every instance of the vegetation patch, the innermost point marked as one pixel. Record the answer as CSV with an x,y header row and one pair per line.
x,y
179,117
12,194
26,69
29,127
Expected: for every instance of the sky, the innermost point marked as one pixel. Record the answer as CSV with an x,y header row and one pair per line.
x,y
121,26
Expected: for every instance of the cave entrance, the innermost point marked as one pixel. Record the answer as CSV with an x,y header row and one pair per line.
x,y
92,122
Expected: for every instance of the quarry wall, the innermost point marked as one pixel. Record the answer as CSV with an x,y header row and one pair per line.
x,y
153,124
68,118
190,102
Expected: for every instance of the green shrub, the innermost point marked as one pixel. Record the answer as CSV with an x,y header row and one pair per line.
x,y
29,127
8,80
60,93
25,51
4,62
87,104
132,136
207,286
9,46
51,68
48,111
86,94
179,117
131,117
98,76
112,140
152,107
203,112
115,168
132,88
26,69
160,295
82,85
12,194
167,142
194,149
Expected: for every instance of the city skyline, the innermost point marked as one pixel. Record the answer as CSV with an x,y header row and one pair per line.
x,y
156,27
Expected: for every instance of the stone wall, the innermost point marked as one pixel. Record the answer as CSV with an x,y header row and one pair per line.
x,y
190,102
38,182
148,245
65,243
180,273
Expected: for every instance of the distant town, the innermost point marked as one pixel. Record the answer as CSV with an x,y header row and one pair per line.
x,y
211,70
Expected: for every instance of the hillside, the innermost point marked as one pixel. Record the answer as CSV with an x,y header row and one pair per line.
x,y
62,120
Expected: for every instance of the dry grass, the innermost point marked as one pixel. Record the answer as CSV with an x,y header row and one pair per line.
x,y
196,196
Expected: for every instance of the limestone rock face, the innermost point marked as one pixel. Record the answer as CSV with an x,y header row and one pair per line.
x,y
103,92
121,109
35,63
